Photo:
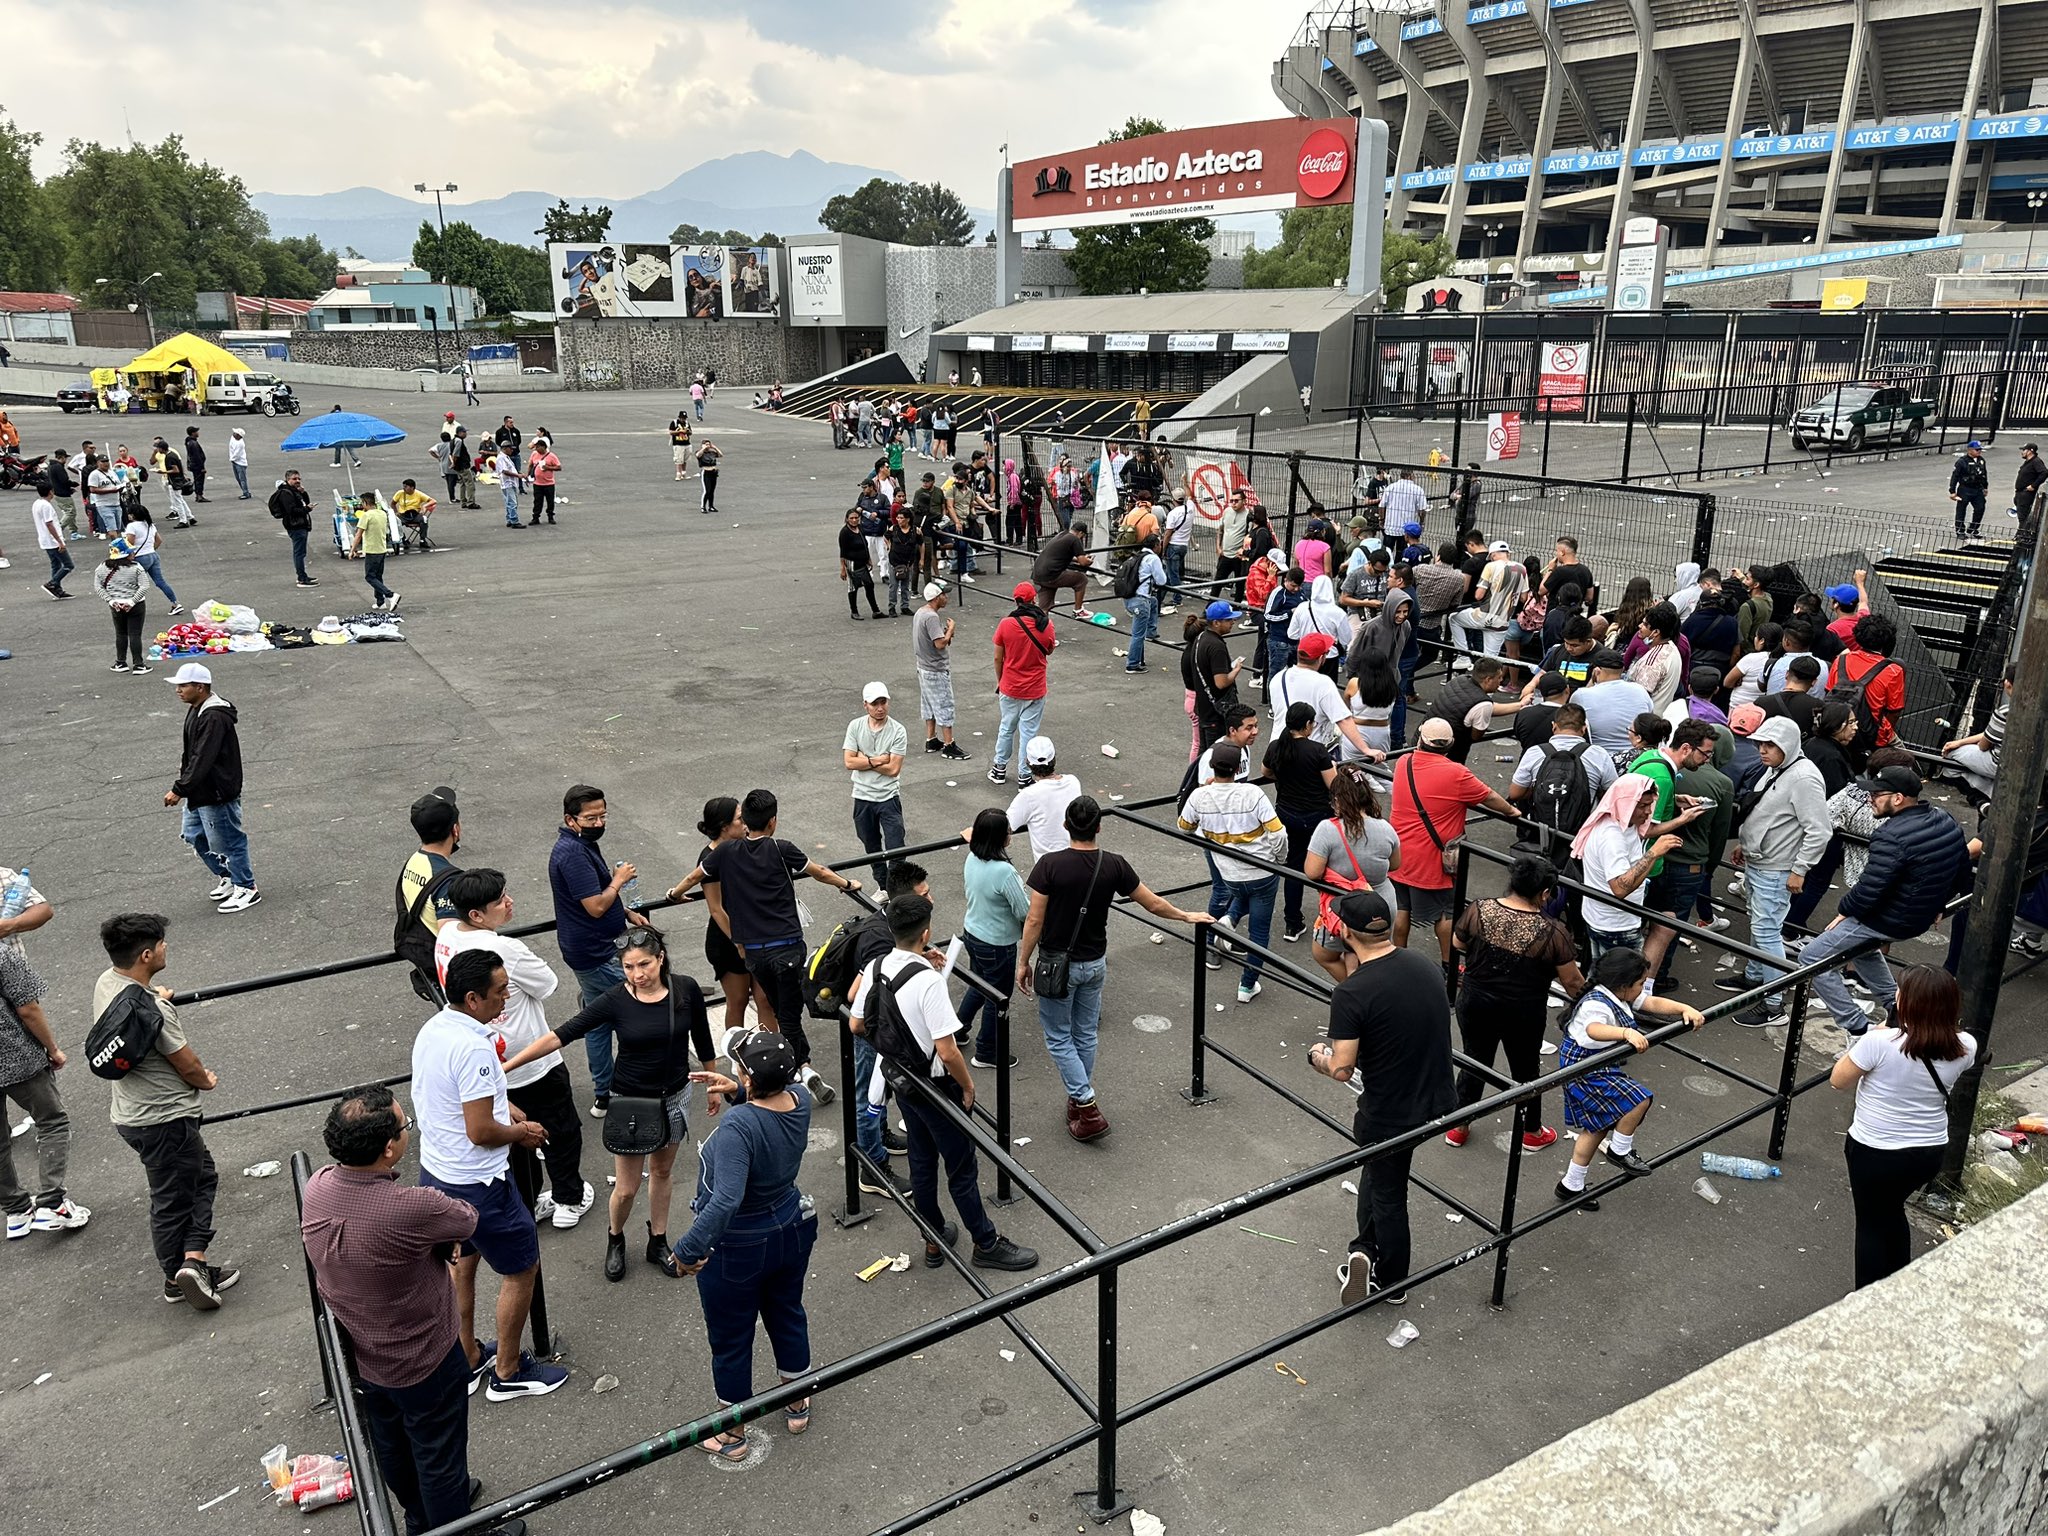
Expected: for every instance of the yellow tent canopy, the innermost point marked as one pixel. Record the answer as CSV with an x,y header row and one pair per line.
x,y
188,351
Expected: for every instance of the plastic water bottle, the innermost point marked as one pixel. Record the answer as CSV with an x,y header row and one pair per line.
x,y
16,899
629,893
1739,1167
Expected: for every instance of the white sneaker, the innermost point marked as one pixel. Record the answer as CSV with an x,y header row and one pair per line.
x,y
566,1216
241,899
223,891
544,1207
20,1223
1246,994
67,1217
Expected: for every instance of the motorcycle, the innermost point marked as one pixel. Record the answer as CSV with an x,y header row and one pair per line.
x,y
281,401
16,471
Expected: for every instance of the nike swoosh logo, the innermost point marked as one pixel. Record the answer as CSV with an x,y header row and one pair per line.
x,y
911,332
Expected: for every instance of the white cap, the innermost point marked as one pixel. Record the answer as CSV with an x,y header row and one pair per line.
x,y
1038,750
1498,547
192,672
875,690
932,589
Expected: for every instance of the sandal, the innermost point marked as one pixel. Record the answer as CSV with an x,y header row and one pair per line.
x,y
796,1418
732,1448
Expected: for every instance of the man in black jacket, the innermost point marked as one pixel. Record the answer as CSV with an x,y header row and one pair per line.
x,y
1967,483
2026,484
210,783
195,463
293,507
1919,858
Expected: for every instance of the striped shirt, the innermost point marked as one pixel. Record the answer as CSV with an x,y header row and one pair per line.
x,y
1235,816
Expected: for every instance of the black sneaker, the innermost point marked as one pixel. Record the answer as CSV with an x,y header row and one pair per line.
x,y
1566,1193
172,1294
956,752
999,774
599,1105
1735,983
310,581
195,1280
1760,1016
931,743
881,1184
1004,1254
949,1234
1293,935
893,1139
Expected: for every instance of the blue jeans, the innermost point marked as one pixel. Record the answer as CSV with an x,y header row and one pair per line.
x,y
1144,612
1686,884
1070,1025
62,565
215,833
758,1272
879,826
421,1437
298,537
154,565
1176,568
867,1119
241,478
597,1045
1599,941
995,964
511,493
1870,969
373,573
1016,723
1240,899
697,408
1279,650
1770,901
1411,658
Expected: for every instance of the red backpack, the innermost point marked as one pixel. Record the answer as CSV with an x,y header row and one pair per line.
x,y
1355,881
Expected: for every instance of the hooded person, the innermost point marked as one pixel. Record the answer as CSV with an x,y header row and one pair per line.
x,y
1611,849
1685,595
1320,614
1783,832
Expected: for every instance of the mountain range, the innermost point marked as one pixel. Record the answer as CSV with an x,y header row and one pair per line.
x,y
752,192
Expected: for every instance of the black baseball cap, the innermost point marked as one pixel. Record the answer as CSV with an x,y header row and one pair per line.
x,y
770,1061
1365,913
1896,779
1609,659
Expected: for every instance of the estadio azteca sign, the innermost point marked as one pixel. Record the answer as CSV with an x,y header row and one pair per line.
x,y
1192,173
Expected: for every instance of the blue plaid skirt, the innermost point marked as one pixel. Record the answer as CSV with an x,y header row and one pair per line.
x,y
1599,1100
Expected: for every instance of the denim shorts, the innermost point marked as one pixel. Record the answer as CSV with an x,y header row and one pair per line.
x,y
505,1235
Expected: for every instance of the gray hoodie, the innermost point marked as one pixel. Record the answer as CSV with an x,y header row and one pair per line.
x,y
1789,827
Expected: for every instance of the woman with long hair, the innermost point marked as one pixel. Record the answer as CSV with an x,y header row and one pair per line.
x,y
1371,692
1512,955
1903,1075
721,824
1356,848
997,905
141,536
1627,616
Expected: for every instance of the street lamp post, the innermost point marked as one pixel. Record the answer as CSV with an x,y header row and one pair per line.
x,y
141,300
454,319
2036,201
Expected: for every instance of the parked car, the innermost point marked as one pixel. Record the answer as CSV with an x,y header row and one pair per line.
x,y
1858,414
77,397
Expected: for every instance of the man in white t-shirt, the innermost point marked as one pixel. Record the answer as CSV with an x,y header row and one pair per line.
x,y
1042,804
50,536
1180,530
540,1088
506,468
1616,860
872,752
916,995
466,1130
1306,683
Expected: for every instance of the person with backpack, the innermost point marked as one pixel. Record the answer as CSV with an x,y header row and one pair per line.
x,y
1873,683
1139,581
1967,482
1557,783
905,1014
1353,848
1513,954
422,900
139,1043
1431,797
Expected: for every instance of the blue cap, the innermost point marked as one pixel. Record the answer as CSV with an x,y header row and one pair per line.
x,y
1973,443
1413,530
1219,610
1845,594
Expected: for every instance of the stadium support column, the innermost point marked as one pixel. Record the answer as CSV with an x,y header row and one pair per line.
x,y
1479,100
1532,195
1852,81
1009,244
1414,126
1631,135
1738,112
1368,209
1980,56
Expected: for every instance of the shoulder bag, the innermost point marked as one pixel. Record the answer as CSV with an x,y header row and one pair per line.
x,y
1049,966
1451,851
634,1127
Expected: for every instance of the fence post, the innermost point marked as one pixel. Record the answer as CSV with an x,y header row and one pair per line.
x,y
1004,1195
1703,531
1357,435
1788,1073
1106,1501
1699,463
1457,432
1543,469
1628,437
1770,428
853,1102
1523,1124
1293,492
526,1177
1197,1090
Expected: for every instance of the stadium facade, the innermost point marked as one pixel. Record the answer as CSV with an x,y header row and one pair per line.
x,y
1527,130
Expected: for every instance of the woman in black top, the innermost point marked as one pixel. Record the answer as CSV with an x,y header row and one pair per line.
x,y
655,1018
1834,727
1712,631
1300,769
855,568
1512,954
904,547
721,823
1260,531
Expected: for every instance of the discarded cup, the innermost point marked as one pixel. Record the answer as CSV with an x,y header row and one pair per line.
x,y
1704,1188
1404,1333
261,1170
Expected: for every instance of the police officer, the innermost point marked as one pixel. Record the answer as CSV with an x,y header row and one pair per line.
x,y
1966,486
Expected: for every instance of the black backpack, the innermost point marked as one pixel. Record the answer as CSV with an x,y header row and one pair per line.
x,y
412,940
1856,695
885,1028
124,1034
1559,801
1128,575
830,970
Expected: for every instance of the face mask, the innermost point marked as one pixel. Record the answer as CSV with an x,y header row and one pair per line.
x,y
591,835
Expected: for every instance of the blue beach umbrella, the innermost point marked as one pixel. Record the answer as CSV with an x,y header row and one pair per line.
x,y
342,429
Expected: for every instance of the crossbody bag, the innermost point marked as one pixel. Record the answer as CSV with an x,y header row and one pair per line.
x,y
1451,851
635,1126
1050,967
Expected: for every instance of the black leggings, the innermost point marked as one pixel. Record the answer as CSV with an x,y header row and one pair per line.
x,y
1299,830
1879,1183
1485,1024
128,634
543,501
550,1100
860,579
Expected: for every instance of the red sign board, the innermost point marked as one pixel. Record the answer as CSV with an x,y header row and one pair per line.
x,y
1561,376
1192,173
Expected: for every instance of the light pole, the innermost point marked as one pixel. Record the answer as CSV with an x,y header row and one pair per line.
x,y
141,299
454,319
2035,202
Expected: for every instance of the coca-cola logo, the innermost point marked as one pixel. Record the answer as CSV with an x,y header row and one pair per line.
x,y
1324,159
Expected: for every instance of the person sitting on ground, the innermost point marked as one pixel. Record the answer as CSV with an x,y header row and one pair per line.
x,y
1973,759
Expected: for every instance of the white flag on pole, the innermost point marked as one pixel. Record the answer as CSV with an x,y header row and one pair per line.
x,y
1105,490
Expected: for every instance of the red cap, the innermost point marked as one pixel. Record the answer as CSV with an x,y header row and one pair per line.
x,y
1315,646
1024,592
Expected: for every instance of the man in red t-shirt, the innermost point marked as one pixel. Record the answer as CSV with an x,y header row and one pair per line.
x,y
1428,783
1869,662
1851,602
1024,643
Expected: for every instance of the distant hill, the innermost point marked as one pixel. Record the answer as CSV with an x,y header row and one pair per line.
x,y
754,191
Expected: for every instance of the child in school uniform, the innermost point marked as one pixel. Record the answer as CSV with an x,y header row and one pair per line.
x,y
1607,1101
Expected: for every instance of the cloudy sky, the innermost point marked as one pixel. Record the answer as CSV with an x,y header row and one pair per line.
x,y
614,99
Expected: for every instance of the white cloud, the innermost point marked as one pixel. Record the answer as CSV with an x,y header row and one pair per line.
x,y
615,99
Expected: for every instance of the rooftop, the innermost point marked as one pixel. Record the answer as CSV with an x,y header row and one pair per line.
x,y
1256,309
34,303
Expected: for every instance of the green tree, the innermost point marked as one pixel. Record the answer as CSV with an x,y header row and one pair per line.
x,y
34,242
875,211
934,215
560,224
296,267
1314,250
123,229
525,271
1163,256
464,257
1406,260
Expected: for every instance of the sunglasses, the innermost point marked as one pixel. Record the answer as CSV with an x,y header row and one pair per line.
x,y
641,938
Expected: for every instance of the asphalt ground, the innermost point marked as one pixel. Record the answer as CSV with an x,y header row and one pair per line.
x,y
668,656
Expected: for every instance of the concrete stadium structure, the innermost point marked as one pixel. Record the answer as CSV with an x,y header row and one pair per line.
x,y
1526,129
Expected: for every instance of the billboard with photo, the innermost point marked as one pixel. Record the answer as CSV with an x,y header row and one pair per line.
x,y
656,280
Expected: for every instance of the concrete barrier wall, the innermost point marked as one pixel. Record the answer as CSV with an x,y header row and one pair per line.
x,y
38,371
1916,1406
